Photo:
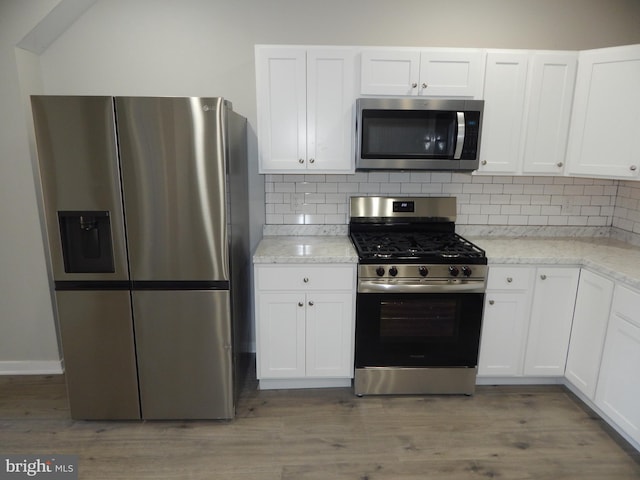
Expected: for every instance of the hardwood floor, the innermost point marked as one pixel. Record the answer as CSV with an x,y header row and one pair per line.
x,y
501,432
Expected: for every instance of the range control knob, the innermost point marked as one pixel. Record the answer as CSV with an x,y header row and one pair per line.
x,y
380,271
423,271
453,270
466,271
393,271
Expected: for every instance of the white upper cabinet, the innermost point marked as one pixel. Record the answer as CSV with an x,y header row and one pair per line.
x,y
305,99
551,83
504,100
605,123
528,98
428,72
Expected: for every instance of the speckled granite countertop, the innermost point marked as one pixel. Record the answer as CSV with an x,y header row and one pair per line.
x,y
305,249
614,258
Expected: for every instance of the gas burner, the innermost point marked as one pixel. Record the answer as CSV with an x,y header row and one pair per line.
x,y
417,246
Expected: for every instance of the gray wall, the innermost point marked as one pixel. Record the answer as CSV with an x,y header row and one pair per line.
x,y
205,47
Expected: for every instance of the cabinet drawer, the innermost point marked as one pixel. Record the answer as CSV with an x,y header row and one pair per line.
x,y
626,303
509,278
285,277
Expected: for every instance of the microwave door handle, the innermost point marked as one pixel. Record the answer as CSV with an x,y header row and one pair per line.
x,y
460,140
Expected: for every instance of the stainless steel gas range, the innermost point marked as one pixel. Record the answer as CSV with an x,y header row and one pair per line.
x,y
419,300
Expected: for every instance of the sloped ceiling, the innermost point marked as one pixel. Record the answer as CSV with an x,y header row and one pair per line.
x,y
54,24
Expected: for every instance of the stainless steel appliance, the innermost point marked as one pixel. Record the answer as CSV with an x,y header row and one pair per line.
x,y
145,202
409,133
419,299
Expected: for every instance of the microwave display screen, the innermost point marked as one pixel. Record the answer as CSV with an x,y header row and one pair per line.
x,y
405,134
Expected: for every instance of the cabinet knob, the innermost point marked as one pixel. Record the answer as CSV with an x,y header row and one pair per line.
x,y
424,85
633,168
312,160
559,164
491,302
310,303
300,304
483,162
301,160
414,85
305,280
509,279
543,277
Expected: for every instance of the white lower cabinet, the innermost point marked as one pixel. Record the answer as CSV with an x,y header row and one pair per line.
x,y
618,390
505,321
590,318
565,324
554,297
304,325
527,321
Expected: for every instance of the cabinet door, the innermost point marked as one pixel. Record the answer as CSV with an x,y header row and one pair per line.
x,y
618,388
280,335
504,95
330,336
590,317
550,324
451,73
330,101
605,122
387,72
504,327
282,108
551,85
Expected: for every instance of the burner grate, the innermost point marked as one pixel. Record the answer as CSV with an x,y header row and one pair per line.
x,y
414,245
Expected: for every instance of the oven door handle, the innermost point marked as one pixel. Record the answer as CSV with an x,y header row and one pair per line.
x,y
376,286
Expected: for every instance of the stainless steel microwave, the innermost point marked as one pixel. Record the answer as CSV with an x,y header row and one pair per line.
x,y
418,133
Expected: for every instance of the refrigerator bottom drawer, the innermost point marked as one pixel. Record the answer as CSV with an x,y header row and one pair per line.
x,y
98,348
183,341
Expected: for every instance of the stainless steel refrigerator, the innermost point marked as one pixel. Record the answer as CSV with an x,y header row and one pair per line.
x,y
146,208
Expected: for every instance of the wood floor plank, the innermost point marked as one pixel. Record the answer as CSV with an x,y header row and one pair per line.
x,y
515,433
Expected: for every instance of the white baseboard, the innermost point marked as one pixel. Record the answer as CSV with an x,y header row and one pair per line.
x,y
29,367
480,380
273,384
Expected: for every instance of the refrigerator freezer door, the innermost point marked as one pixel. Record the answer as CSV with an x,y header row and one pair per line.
x,y
100,363
184,354
79,171
173,167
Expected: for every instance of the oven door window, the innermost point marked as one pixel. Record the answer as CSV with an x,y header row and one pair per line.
x,y
418,329
407,320
408,134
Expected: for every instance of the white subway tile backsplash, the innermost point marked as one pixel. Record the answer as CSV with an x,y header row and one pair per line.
x,y
411,188
482,200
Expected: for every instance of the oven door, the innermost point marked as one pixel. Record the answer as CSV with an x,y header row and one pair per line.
x,y
418,330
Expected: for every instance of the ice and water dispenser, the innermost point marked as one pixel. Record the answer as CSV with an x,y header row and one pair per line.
x,y
86,241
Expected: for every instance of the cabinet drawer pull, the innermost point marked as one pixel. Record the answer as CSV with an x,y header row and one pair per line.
x,y
483,162
301,160
543,277
300,304
509,279
414,85
633,168
305,280
559,164
310,303
312,160
424,85
491,302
